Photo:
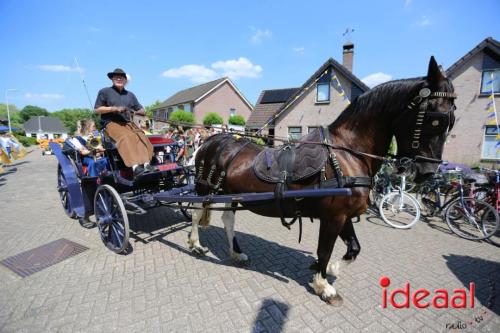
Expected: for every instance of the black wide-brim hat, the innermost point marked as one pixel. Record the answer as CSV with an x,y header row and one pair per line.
x,y
117,71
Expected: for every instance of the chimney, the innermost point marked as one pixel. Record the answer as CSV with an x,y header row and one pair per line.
x,y
348,56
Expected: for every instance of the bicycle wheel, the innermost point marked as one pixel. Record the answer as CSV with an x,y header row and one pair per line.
x,y
473,219
399,211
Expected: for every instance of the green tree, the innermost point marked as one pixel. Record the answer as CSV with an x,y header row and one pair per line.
x,y
393,148
69,117
237,120
212,118
15,117
149,108
182,116
32,111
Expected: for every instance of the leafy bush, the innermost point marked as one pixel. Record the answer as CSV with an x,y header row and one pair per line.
x,y
182,116
393,148
25,141
259,141
212,118
237,120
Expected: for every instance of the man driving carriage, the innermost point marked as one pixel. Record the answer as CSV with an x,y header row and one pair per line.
x,y
116,105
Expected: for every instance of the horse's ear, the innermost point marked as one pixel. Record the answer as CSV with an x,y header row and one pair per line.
x,y
434,74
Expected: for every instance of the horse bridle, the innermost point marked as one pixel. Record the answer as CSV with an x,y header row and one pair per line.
x,y
421,102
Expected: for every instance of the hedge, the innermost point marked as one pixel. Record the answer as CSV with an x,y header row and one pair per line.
x,y
212,118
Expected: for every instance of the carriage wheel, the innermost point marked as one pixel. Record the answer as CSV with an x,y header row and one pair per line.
x,y
62,188
111,218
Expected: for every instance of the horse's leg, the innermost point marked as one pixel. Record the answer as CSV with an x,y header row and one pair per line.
x,y
228,217
194,240
328,232
348,235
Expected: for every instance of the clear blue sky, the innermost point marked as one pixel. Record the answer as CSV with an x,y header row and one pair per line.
x,y
167,46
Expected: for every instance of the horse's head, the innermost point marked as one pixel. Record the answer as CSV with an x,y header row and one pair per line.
x,y
422,128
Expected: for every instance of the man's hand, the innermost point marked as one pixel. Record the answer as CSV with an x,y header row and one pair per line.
x,y
120,109
140,112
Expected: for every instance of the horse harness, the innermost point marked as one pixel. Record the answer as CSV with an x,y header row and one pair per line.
x,y
338,181
421,101
282,161
279,166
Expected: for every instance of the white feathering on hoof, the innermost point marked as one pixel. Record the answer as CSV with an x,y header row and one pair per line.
x,y
333,268
322,287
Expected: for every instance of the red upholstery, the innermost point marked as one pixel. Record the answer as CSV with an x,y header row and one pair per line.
x,y
168,166
159,140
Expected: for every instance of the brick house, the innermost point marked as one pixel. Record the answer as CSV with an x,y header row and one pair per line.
x,y
318,102
473,140
220,96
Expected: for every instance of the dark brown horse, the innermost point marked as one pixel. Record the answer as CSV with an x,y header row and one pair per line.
x,y
418,112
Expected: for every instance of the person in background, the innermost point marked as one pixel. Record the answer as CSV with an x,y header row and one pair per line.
x,y
181,143
197,138
94,161
189,143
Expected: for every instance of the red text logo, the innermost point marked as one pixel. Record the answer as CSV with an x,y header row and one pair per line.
x,y
422,298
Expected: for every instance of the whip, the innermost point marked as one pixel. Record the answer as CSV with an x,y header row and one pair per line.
x,y
84,84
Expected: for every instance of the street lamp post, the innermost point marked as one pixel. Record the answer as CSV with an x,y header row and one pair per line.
x,y
8,112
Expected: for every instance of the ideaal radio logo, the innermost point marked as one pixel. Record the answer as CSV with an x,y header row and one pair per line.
x,y
422,298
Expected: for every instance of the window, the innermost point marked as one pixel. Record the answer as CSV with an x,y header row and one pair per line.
x,y
187,107
57,135
33,135
294,133
323,92
486,84
232,112
180,107
489,142
311,129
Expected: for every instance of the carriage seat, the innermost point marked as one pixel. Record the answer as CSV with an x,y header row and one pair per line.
x,y
299,162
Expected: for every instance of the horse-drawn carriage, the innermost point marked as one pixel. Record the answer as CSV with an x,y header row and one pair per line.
x,y
115,193
335,164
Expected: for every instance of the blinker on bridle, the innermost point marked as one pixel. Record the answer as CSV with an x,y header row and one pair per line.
x,y
422,101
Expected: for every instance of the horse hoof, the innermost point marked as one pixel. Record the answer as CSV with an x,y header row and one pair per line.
x,y
240,258
335,301
199,250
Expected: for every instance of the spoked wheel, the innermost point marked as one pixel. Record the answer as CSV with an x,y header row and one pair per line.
x,y
62,188
111,218
472,219
399,211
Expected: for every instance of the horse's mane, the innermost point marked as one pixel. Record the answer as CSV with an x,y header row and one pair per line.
x,y
386,96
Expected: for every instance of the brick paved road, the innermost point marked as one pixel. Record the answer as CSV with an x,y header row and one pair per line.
x,y
162,287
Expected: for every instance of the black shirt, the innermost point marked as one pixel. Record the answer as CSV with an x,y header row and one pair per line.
x,y
112,97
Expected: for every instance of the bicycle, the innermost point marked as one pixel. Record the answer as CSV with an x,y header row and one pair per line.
x,y
465,215
398,208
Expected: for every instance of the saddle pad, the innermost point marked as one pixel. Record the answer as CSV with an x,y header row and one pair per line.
x,y
306,160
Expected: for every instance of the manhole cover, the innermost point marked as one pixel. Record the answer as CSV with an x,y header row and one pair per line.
x,y
32,261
